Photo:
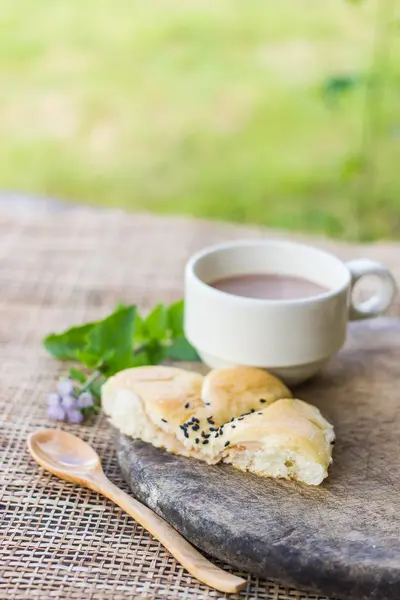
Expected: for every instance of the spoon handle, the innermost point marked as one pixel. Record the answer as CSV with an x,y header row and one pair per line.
x,y
189,557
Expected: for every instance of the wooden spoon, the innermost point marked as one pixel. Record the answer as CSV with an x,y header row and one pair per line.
x,y
70,458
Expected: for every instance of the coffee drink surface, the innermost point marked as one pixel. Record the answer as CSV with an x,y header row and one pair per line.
x,y
269,286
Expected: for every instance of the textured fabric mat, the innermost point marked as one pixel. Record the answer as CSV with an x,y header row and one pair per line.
x,y
59,268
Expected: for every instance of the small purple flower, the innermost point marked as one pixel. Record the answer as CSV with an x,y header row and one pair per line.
x,y
56,412
74,416
68,402
85,400
53,399
65,387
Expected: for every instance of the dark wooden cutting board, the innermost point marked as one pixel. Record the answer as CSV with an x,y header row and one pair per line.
x,y
340,539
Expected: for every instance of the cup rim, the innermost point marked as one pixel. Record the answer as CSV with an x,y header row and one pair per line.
x,y
195,258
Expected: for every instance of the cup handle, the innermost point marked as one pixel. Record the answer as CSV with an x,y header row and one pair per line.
x,y
383,297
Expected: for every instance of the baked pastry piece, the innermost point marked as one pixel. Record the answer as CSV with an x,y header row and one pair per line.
x,y
241,415
180,410
288,439
150,404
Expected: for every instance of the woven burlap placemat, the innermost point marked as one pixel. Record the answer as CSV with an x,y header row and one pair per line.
x,y
59,268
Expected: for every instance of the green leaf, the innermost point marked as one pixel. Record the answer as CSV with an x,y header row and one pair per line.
x,y
155,351
175,318
77,375
114,332
120,341
156,323
111,340
139,334
141,359
65,345
91,360
95,386
181,349
120,306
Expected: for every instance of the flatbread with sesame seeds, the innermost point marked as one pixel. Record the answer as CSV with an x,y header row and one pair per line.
x,y
241,415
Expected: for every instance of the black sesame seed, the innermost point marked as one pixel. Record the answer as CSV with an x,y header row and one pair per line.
x,y
195,420
205,435
227,444
208,403
259,413
195,427
233,426
217,435
182,426
240,419
197,440
233,418
262,400
205,442
210,420
187,405
164,421
185,433
213,428
252,410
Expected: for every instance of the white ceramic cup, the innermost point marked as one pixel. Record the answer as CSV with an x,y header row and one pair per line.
x,y
291,338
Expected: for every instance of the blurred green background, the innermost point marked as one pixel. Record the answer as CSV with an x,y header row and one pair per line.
x,y
279,113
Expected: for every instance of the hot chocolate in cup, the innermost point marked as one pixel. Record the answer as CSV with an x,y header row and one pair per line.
x,y
277,305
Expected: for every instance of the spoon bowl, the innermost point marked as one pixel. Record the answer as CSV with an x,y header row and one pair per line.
x,y
63,454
